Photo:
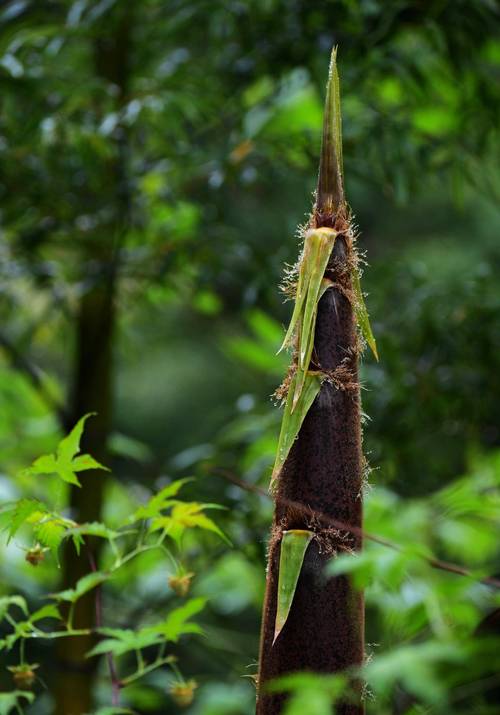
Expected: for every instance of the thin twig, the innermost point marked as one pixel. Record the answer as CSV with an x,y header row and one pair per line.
x,y
113,673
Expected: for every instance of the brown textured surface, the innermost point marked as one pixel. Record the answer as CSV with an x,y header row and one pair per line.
x,y
325,627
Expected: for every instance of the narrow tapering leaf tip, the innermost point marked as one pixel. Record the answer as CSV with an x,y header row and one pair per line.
x,y
333,62
330,191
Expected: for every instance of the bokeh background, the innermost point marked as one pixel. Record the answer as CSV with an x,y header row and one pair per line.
x,y
156,159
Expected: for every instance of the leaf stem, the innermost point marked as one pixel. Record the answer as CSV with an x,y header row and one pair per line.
x,y
146,669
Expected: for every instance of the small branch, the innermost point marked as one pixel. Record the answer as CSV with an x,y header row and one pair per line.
x,y
146,669
38,633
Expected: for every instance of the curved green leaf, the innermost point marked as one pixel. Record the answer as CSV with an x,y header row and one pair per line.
x,y
292,422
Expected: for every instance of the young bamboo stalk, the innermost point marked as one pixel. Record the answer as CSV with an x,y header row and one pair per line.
x,y
321,626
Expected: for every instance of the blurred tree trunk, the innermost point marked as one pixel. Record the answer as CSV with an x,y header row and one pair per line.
x,y
93,370
324,631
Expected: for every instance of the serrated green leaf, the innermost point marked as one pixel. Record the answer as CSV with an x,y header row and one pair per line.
x,y
361,313
46,464
69,446
292,422
185,516
83,585
65,463
161,500
177,621
125,640
48,611
18,513
293,548
50,532
49,464
7,601
191,514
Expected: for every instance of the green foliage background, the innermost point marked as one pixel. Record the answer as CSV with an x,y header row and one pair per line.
x,y
219,134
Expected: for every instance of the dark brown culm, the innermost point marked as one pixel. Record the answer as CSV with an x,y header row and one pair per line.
x,y
324,631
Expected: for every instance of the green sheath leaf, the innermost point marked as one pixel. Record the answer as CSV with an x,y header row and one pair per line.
x,y
301,374
362,314
305,271
292,423
293,549
322,241
324,238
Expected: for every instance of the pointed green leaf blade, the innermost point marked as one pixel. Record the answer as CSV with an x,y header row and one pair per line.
x,y
292,422
83,585
305,271
337,116
301,374
362,314
46,464
178,621
330,191
7,601
48,611
161,500
86,461
67,475
293,549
